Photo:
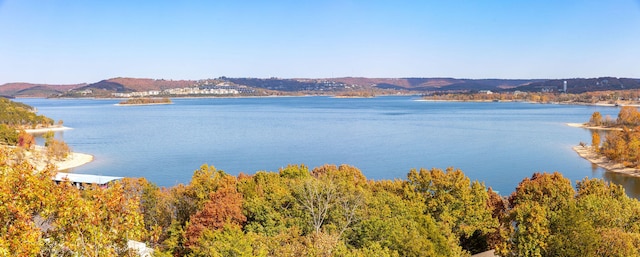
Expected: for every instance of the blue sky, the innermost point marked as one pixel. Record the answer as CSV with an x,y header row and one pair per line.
x,y
62,42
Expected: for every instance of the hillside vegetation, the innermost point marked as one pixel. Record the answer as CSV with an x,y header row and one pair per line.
x,y
21,116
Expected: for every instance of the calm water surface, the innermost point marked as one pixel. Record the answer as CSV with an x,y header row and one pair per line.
x,y
497,143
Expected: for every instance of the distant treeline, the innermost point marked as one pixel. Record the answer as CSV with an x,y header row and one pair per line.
x,y
608,97
577,86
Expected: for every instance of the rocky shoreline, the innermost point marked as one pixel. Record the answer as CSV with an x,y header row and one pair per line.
x,y
589,154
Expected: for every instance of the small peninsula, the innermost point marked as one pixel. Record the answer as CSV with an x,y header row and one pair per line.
x,y
620,149
145,101
19,124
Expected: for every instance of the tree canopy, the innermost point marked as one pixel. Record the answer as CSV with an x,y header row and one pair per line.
x,y
325,211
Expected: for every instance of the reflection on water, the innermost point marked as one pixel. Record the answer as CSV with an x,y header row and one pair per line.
x,y
630,183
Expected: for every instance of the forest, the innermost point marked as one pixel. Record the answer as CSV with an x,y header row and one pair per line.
x,y
325,211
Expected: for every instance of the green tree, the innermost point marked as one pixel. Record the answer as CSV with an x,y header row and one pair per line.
x,y
8,135
227,241
532,230
394,221
268,203
456,202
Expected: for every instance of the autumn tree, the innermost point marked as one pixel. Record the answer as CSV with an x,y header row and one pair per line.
x,y
549,189
596,119
535,206
628,116
25,194
623,146
595,141
551,219
26,140
42,218
55,149
223,208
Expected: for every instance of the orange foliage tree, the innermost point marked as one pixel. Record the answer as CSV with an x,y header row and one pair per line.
x,y
629,116
26,140
223,208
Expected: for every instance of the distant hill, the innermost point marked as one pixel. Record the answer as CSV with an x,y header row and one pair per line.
x,y
137,85
290,85
580,85
437,84
34,90
324,86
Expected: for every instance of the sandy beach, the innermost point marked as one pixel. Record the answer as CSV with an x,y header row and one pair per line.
x,y
581,125
37,158
74,160
576,125
44,130
588,153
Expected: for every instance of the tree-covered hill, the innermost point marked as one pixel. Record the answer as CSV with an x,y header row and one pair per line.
x,y
137,84
580,85
34,90
19,115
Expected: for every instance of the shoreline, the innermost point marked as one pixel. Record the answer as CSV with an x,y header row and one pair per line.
x,y
47,129
588,154
583,125
37,158
530,102
73,160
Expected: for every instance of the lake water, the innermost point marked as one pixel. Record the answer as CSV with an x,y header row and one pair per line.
x,y
497,143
